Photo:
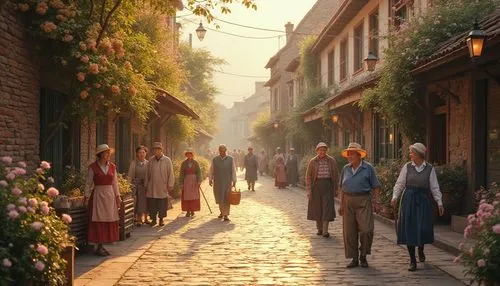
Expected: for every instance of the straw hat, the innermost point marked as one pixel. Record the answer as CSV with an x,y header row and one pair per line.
x,y
419,148
321,144
354,147
157,145
104,147
189,150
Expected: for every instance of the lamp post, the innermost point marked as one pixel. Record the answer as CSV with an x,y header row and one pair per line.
x,y
371,61
200,32
475,41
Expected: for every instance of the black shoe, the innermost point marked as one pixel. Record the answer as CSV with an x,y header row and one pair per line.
x,y
319,232
363,262
421,256
161,222
220,216
326,235
226,218
188,214
413,266
354,263
152,223
192,213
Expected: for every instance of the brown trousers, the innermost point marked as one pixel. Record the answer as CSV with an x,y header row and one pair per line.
x,y
224,207
357,225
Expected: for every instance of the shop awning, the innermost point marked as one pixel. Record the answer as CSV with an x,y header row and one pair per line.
x,y
167,103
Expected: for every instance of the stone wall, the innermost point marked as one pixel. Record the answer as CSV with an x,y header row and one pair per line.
x,y
459,121
19,90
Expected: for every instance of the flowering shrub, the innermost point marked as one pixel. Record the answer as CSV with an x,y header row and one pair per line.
x,y
482,259
32,236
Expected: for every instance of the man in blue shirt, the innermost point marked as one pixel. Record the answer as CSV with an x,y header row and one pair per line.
x,y
357,182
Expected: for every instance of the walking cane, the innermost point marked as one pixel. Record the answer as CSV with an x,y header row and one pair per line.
x,y
206,200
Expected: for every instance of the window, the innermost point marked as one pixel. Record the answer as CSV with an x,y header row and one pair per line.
x,y
387,141
123,147
358,48
343,59
291,100
373,27
301,86
347,137
100,130
331,67
400,11
319,74
275,99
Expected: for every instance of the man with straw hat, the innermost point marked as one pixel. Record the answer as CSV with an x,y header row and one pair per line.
x,y
160,182
321,185
222,177
357,182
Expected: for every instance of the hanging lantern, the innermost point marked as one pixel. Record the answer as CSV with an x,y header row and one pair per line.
x,y
371,61
475,41
200,32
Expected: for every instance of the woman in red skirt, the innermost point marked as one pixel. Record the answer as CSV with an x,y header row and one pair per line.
x,y
190,180
103,198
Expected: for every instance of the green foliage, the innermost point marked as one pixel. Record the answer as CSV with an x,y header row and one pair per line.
x,y
308,61
73,182
388,173
395,94
29,228
482,259
451,178
123,185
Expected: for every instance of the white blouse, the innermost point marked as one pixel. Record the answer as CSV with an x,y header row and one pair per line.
x,y
433,183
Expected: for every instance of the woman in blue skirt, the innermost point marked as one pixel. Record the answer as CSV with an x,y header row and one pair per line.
x,y
418,183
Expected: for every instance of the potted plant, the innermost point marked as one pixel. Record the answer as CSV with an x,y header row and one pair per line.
x,y
482,259
127,207
452,182
34,238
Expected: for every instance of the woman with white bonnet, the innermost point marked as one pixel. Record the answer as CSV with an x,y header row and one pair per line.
x,y
417,181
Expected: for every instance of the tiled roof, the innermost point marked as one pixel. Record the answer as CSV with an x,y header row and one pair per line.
x,y
490,24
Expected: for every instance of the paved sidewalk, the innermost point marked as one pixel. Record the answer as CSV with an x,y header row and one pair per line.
x,y
268,242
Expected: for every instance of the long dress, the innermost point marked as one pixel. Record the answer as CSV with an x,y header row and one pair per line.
x,y
292,169
190,178
251,166
415,222
280,180
102,208
222,172
137,176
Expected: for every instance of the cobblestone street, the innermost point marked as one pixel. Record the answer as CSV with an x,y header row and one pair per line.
x,y
268,242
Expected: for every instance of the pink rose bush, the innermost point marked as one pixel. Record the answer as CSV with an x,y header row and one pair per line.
x,y
481,260
33,235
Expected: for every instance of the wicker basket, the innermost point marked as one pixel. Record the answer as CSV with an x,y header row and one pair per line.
x,y
234,196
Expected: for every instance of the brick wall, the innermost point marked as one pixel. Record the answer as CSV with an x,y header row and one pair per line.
x,y
87,144
19,91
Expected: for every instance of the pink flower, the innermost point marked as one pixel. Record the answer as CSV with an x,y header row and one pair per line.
x,y
83,46
93,68
48,27
24,7
37,225
115,88
13,214
30,210
23,201
50,180
41,187
45,165
10,176
39,265
461,246
127,65
486,207
456,260
66,218
85,58
44,203
22,164
7,160
481,263
22,209
52,192
84,94
45,210
4,183
80,76
19,171
39,171
16,191
33,202
67,38
132,90
11,207
496,228
42,249
6,262
41,8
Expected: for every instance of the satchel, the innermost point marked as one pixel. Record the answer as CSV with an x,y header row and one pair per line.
x,y
234,196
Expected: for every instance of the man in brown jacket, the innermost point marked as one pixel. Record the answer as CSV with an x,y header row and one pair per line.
x,y
321,185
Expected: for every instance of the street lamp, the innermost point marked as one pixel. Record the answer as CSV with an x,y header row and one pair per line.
x,y
335,117
371,61
475,41
200,32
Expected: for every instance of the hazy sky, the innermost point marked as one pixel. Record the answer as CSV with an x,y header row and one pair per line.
x,y
245,56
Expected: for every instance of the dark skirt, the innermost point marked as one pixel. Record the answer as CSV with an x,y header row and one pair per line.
x,y
321,206
415,221
101,232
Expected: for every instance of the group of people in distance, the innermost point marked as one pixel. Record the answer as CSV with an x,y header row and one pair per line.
x,y
357,186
